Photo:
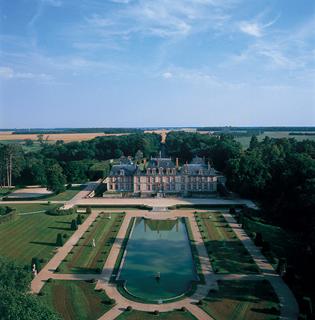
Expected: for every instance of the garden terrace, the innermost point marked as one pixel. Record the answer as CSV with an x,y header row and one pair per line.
x,y
75,299
32,235
226,252
86,259
242,300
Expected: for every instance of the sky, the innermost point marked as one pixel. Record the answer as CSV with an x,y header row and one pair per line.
x,y
141,63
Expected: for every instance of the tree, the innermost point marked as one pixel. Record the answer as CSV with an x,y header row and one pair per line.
x,y
55,178
15,300
28,142
258,239
40,138
79,219
253,143
11,161
139,156
74,225
59,240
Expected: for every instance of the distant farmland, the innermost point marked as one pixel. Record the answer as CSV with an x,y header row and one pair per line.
x,y
66,137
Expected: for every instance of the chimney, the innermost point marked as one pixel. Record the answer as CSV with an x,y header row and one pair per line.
x,y
177,165
209,165
144,161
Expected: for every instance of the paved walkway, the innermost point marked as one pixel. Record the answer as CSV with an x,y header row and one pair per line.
x,y
48,271
189,302
164,202
288,306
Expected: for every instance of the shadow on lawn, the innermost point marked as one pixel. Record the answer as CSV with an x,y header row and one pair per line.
x,y
60,228
52,244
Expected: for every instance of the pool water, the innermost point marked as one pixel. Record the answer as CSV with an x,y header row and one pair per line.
x,y
158,247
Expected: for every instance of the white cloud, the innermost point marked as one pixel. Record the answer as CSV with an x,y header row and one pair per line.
x,y
9,73
252,29
54,3
167,75
256,28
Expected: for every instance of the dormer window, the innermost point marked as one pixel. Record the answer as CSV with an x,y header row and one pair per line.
x,y
122,172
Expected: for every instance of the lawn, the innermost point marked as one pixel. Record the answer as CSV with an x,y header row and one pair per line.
x,y
32,235
66,195
242,300
282,243
141,315
75,300
86,259
30,207
226,252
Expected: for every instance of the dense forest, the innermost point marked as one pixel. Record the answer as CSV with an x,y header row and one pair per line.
x,y
279,173
75,162
15,300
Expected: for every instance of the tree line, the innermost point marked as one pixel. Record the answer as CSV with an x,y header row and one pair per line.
x,y
55,165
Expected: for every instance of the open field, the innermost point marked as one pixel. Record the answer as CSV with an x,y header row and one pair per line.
x,y
242,300
85,258
66,137
66,195
140,315
75,300
32,235
227,254
273,134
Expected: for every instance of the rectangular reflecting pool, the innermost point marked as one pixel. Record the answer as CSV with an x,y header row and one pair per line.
x,y
158,263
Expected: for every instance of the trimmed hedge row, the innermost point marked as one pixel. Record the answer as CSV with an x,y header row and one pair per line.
x,y
60,212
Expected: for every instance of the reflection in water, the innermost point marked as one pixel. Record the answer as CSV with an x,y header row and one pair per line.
x,y
158,263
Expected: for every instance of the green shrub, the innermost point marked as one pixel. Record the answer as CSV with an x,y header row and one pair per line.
x,y
74,225
59,240
60,212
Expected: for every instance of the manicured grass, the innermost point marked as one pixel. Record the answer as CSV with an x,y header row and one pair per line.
x,y
30,207
66,195
227,254
282,243
242,300
32,235
85,258
194,252
75,300
140,315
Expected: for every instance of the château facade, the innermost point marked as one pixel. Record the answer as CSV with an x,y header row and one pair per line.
x,y
163,176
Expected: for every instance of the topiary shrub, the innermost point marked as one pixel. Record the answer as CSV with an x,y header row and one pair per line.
x,y
156,312
74,225
183,309
129,308
59,240
88,210
79,219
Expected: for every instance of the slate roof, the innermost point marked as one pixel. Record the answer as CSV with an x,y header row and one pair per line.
x,y
161,163
129,169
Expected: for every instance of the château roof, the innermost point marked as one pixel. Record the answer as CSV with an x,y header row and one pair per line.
x,y
161,163
123,169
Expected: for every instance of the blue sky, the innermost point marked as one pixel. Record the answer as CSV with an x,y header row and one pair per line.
x,y
94,63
